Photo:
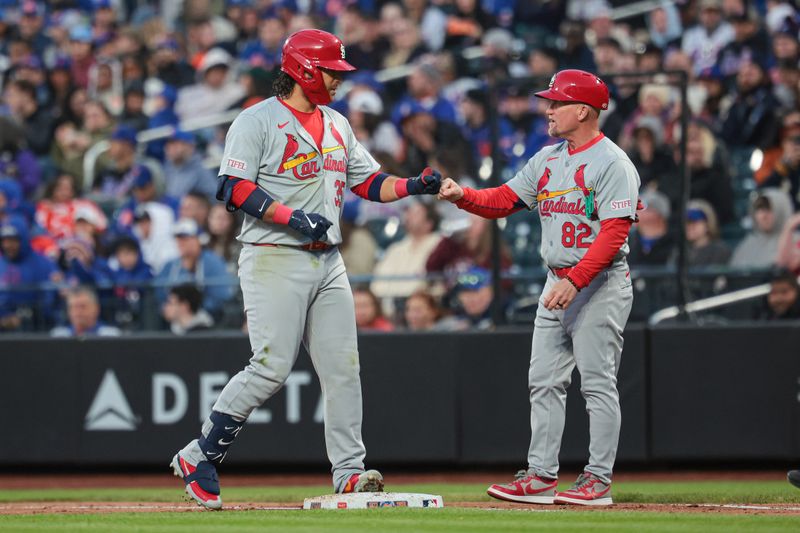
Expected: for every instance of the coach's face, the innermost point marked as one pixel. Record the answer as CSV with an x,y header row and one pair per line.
x,y
564,118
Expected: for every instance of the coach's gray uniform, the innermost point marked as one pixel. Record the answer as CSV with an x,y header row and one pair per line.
x,y
589,332
291,294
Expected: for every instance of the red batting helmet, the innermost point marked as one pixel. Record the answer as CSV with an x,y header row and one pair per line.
x,y
577,86
307,51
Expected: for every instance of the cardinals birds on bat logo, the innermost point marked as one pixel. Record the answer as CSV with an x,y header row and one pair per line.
x,y
307,168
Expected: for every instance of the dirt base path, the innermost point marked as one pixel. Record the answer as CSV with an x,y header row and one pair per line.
x,y
30,508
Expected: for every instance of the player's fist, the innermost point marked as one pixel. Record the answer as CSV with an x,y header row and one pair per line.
x,y
312,225
428,182
450,191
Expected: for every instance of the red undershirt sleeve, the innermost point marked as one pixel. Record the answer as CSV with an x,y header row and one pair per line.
x,y
241,190
613,232
497,202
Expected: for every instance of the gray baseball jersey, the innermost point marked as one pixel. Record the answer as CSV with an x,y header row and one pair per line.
x,y
574,192
267,145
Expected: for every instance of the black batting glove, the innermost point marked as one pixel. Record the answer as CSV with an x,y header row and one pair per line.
x,y
312,225
428,182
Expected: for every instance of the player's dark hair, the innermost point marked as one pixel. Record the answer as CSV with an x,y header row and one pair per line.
x,y
189,294
283,85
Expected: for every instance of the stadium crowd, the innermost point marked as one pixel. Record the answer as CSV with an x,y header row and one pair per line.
x,y
114,112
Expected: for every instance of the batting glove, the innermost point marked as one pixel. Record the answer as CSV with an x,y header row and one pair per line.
x,y
428,182
312,225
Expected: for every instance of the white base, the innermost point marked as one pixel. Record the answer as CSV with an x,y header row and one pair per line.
x,y
371,500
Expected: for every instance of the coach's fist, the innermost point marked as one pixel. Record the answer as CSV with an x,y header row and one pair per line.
x,y
312,225
450,191
428,182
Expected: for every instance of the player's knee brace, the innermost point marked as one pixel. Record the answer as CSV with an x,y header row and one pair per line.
x,y
219,436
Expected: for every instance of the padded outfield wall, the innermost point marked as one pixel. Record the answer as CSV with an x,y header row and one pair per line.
x,y
696,394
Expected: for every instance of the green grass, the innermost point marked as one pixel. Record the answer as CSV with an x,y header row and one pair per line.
x,y
417,520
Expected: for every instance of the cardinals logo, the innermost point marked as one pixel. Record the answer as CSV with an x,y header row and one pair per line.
x,y
547,204
540,186
302,165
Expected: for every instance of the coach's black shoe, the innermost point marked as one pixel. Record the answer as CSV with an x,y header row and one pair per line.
x,y
794,477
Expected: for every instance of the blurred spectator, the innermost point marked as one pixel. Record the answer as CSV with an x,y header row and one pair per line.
x,y
83,312
783,300
528,126
500,56
215,90
257,84
600,26
360,32
369,315
80,53
127,169
16,161
222,229
786,175
423,135
702,234
651,241
655,104
56,212
36,123
81,263
466,23
170,67
704,41
184,168
184,312
606,52
769,211
649,154
105,85
408,256
128,273
265,52
12,203
422,311
472,247
152,226
751,43
752,118
664,25
709,176
424,94
133,114
543,62
23,304
789,245
31,26
196,206
68,148
474,296
162,114
475,111
359,248
405,43
372,130
196,265
430,20
574,51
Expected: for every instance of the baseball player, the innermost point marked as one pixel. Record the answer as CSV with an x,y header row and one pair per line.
x,y
286,163
586,192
